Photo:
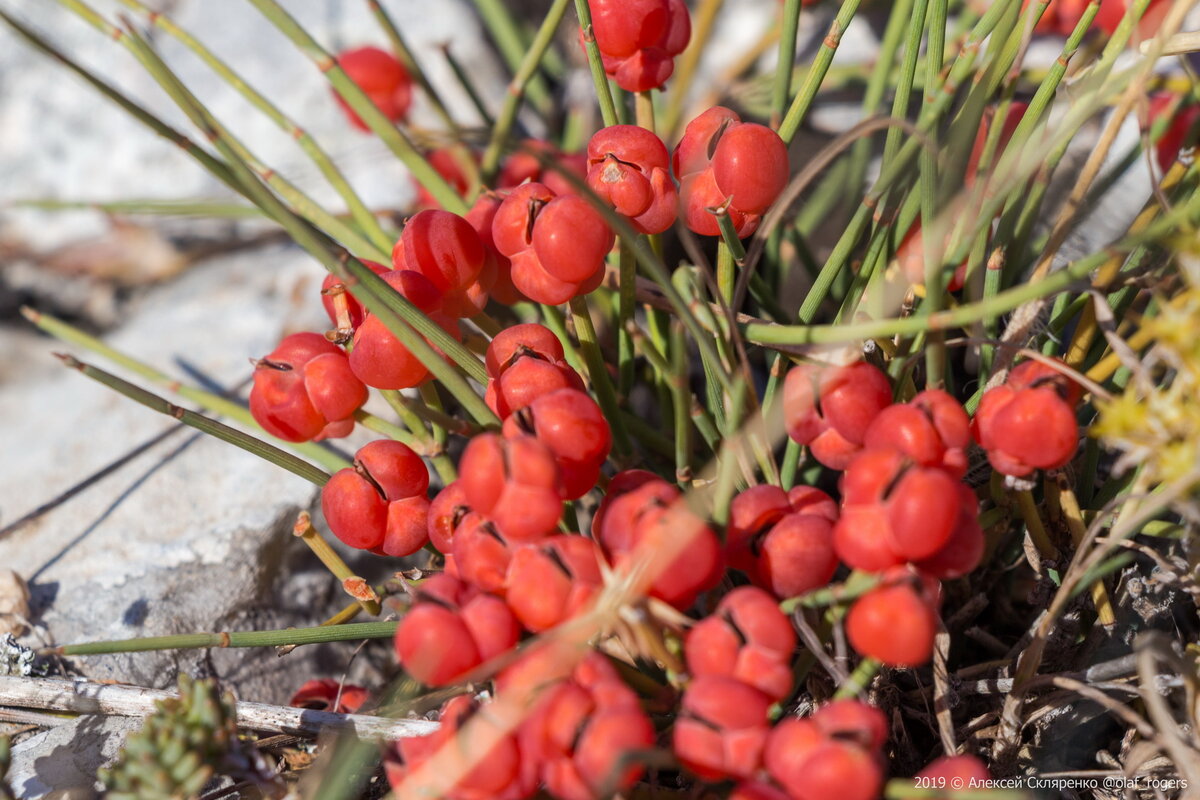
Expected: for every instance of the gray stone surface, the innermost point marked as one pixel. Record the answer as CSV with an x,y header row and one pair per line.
x,y
65,759
189,534
64,141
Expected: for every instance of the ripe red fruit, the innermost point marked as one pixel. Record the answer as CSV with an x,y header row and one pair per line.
x,y
326,694
932,429
839,403
724,162
514,482
556,243
572,426
379,359
629,167
380,503
305,390
750,165
676,554
722,728
496,775
789,745
963,551
920,507
481,554
747,638
525,362
581,734
444,248
894,623
639,39
450,631
382,78
1028,422
552,580
853,720
842,770
446,511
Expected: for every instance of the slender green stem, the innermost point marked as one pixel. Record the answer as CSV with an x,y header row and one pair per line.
x,y
859,680
191,641
816,73
389,134
516,88
782,89
200,422
681,400
627,265
358,209
160,208
405,54
855,586
608,110
703,20
300,202
606,393
209,400
468,85
877,85
934,245
512,44
374,423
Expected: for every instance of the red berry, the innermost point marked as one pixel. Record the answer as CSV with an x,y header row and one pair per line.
x,y
895,623
721,729
329,695
515,482
572,426
380,503
638,39
1028,423
446,511
932,429
817,399
379,359
481,554
789,746
304,390
552,580
750,165
382,78
963,551
443,247
747,638
853,720
629,167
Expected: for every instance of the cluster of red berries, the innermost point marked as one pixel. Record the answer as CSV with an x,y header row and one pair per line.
x,y
904,513
1028,422
639,39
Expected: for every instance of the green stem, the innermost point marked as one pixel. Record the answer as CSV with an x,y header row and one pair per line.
x,y
608,110
200,422
517,87
601,381
511,43
208,400
389,134
191,641
358,209
816,73
627,265
859,680
782,89
468,85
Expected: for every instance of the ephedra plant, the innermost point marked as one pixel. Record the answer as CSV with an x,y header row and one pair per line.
x,y
734,467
